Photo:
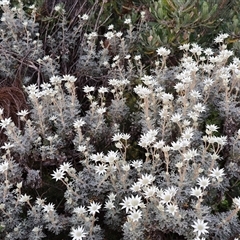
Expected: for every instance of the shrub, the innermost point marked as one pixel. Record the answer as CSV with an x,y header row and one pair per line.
x,y
154,153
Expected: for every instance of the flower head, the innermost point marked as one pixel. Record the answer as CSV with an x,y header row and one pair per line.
x,y
24,198
142,91
185,47
117,137
196,49
190,154
135,215
58,174
4,166
236,201
199,107
217,173
98,157
136,187
146,179
203,182
88,89
78,233
65,167
78,123
109,35
166,197
148,138
80,210
200,227
109,205
7,146
69,78
135,202
48,208
101,169
23,113
136,164
150,191
94,208
111,157
176,117
84,17
40,202
159,144
125,136
197,192
162,51
137,57
4,2
172,208
5,122
112,196
220,38
211,128
131,203
128,21
126,204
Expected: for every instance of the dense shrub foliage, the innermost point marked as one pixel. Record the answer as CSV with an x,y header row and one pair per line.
x,y
100,141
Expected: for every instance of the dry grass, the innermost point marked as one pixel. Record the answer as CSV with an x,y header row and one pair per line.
x,y
12,100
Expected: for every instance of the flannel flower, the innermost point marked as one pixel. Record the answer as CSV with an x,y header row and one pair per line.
x,y
78,233
200,227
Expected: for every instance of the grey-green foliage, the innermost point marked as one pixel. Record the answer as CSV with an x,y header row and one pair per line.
x,y
20,43
132,231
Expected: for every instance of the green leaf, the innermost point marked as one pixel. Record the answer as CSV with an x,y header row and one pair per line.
x,y
205,9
